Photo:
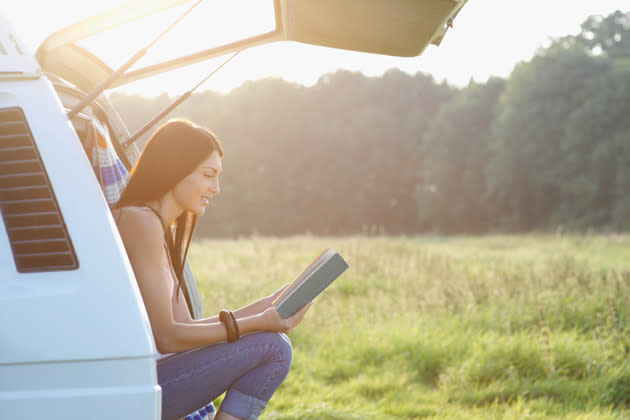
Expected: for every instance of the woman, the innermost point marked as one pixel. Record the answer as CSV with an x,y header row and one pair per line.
x,y
170,186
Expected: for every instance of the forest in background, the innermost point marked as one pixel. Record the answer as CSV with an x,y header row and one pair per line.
x,y
546,148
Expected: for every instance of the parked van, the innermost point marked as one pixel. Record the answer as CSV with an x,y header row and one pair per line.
x,y
75,340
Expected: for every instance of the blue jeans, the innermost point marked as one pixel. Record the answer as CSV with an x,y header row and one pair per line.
x,y
250,369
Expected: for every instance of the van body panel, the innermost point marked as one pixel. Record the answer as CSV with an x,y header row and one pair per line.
x,y
15,61
94,389
74,343
101,295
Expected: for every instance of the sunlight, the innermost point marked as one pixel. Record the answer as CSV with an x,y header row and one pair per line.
x,y
210,24
489,37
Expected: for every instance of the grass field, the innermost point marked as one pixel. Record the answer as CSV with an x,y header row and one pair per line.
x,y
500,327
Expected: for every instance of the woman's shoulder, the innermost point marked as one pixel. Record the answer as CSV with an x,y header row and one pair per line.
x,y
142,235
138,219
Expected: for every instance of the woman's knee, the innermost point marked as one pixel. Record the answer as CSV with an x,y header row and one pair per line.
x,y
282,355
281,345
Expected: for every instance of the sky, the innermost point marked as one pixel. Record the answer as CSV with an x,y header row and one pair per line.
x,y
489,38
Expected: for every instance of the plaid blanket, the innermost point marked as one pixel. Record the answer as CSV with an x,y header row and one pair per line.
x,y
108,167
204,413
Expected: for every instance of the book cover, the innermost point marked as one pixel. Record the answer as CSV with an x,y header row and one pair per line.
x,y
314,279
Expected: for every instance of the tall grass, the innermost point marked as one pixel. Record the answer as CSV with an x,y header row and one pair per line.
x,y
502,327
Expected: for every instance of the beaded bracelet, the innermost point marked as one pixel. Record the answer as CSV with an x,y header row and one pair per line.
x,y
228,319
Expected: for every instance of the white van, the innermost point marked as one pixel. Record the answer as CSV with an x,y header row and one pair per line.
x,y
75,341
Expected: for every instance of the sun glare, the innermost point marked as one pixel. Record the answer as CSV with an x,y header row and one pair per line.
x,y
488,38
210,24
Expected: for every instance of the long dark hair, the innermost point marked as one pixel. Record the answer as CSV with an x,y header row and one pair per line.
x,y
175,149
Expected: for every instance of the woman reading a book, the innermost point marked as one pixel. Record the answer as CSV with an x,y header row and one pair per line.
x,y
243,352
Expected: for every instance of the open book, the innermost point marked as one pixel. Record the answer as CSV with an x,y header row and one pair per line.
x,y
314,279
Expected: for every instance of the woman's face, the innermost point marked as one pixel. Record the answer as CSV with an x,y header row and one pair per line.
x,y
195,190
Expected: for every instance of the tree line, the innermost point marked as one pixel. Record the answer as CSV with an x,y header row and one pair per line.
x,y
547,147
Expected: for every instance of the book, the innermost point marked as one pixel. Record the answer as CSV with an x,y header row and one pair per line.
x,y
311,282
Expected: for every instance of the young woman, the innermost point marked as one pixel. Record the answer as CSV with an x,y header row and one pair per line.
x,y
244,352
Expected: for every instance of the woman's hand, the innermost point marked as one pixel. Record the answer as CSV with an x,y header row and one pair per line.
x,y
267,302
259,306
269,299
277,293
271,320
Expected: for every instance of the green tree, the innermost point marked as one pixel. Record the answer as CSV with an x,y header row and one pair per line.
x,y
526,154
609,35
596,149
550,146
452,196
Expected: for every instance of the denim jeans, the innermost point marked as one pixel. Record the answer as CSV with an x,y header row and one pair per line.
x,y
249,369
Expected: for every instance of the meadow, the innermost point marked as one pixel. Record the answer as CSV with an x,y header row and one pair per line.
x,y
495,327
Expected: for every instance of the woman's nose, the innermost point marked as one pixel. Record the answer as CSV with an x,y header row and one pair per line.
x,y
215,188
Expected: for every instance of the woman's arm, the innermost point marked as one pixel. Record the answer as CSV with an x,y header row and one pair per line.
x,y
255,308
142,234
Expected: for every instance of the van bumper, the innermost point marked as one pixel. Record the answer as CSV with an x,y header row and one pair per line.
x,y
91,389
